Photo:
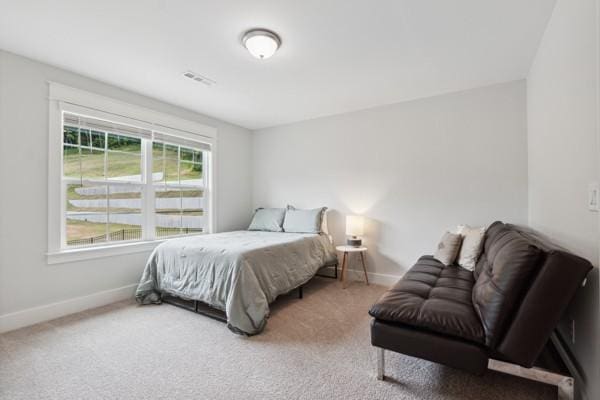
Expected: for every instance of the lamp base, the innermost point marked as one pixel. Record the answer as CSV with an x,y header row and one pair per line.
x,y
354,242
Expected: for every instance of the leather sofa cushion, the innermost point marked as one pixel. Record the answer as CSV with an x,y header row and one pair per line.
x,y
433,297
505,270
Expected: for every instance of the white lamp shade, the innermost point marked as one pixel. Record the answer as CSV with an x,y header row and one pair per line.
x,y
354,225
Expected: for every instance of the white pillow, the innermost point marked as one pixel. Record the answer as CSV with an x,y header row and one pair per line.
x,y
471,245
267,219
303,221
448,248
324,226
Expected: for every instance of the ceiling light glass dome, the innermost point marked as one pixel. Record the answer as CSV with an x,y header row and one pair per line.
x,y
261,43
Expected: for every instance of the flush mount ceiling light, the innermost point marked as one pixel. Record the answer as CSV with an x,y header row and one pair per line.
x,y
261,43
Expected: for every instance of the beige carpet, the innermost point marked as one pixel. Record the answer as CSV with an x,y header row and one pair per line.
x,y
315,348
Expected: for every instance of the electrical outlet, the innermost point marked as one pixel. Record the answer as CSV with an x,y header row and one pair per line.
x,y
593,196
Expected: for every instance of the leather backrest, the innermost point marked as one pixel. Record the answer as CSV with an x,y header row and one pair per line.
x,y
548,296
503,274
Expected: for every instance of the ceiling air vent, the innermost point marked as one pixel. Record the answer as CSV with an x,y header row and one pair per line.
x,y
199,78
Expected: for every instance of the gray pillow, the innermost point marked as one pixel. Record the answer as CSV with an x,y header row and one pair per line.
x,y
267,219
448,248
303,221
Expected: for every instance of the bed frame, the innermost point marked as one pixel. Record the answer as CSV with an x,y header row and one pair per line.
x,y
200,307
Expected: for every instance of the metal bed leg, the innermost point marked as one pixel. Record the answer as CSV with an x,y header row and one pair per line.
x,y
195,306
380,363
335,272
335,269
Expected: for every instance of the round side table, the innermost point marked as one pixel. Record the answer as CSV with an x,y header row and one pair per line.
x,y
351,249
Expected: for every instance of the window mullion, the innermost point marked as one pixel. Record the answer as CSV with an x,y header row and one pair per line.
x,y
148,203
63,213
79,145
180,191
106,227
206,195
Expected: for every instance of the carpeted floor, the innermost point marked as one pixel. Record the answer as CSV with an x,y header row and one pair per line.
x,y
315,348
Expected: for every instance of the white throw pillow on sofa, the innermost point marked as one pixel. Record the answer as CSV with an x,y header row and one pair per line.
x,y
471,245
448,248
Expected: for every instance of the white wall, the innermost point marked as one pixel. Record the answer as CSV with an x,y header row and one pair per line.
x,y
26,280
564,157
413,169
563,146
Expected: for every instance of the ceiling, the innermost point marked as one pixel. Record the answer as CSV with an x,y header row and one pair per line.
x,y
337,55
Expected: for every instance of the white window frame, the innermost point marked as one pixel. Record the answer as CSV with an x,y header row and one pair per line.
x,y
67,99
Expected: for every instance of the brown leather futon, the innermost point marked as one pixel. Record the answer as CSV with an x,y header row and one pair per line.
x,y
505,310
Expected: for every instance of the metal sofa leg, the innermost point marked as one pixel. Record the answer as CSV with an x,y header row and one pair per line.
x,y
565,384
380,363
566,389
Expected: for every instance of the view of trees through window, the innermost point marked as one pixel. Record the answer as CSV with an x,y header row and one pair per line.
x,y
103,175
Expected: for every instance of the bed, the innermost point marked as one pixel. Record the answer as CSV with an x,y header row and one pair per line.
x,y
239,273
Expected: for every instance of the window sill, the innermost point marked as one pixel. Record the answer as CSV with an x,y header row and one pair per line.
x,y
72,255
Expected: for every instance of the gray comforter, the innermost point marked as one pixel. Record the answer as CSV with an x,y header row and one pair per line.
x,y
239,272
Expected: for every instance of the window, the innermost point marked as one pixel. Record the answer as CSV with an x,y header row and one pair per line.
x,y
178,189
105,183
125,175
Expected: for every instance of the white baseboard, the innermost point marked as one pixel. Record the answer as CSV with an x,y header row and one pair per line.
x,y
374,277
31,316
35,315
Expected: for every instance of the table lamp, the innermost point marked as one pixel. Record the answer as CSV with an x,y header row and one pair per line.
x,y
354,229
